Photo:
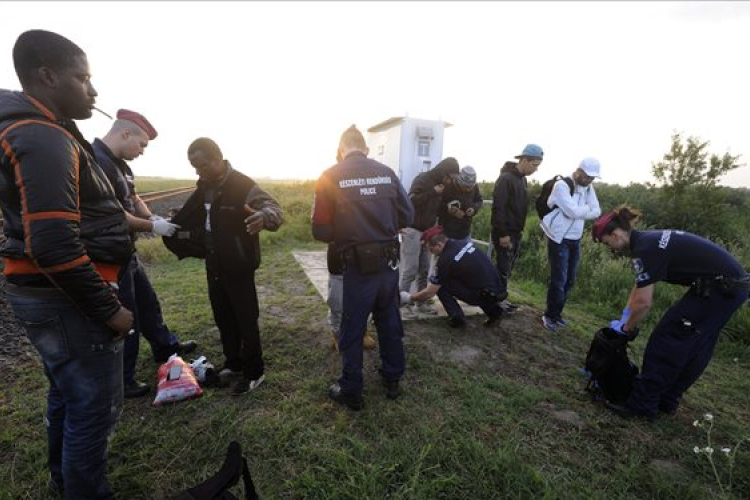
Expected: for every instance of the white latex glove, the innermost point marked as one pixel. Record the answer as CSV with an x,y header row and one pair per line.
x,y
164,227
405,298
154,217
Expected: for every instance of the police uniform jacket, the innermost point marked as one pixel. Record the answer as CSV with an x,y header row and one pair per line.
x,y
359,201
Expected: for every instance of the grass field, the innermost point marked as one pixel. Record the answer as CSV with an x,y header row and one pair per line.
x,y
486,413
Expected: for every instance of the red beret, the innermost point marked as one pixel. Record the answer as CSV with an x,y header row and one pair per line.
x,y
431,232
597,231
138,119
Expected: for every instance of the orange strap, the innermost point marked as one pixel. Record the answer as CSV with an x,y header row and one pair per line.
x,y
109,272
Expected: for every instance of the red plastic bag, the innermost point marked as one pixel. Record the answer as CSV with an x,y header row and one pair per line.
x,y
176,382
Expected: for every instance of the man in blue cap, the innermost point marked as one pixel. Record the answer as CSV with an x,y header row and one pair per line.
x,y
510,205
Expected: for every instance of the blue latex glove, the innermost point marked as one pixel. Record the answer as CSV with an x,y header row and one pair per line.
x,y
618,325
625,315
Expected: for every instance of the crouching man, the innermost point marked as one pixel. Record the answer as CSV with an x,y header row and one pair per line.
x,y
462,272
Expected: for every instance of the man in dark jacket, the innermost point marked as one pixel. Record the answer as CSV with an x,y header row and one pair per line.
x,y
360,206
425,194
460,202
510,205
222,218
65,240
126,140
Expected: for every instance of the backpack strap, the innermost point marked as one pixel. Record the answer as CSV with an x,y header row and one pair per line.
x,y
570,184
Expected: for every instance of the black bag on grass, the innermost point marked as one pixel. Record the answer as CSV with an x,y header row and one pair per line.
x,y
217,486
611,370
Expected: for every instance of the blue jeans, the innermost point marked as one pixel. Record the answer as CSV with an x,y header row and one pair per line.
x,y
363,294
84,369
137,294
563,263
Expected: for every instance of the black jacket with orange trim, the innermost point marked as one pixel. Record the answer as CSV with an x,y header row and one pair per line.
x,y
63,224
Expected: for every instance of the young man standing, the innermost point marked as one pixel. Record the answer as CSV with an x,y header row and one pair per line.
x,y
563,227
65,240
510,205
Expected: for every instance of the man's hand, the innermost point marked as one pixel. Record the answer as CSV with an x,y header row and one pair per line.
x,y
505,242
256,220
439,188
153,217
405,298
120,322
163,227
470,211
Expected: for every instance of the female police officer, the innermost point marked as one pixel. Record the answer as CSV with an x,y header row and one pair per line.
x,y
682,343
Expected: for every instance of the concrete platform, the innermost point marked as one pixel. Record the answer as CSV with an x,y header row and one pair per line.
x,y
315,267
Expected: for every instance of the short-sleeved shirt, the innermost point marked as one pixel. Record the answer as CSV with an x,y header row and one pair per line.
x,y
679,258
463,262
119,174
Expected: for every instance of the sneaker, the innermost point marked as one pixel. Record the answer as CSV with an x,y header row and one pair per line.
x,y
225,371
368,341
626,412
244,385
507,307
392,388
457,322
549,324
353,401
425,308
136,390
561,323
493,320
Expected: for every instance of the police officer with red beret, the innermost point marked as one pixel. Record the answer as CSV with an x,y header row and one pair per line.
x,y
682,343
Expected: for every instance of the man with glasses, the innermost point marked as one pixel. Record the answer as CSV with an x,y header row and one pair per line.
x,y
510,205
572,203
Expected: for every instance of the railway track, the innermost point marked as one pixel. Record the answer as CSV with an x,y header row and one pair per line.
x,y
151,197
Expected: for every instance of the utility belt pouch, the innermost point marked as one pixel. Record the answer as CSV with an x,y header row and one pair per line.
x,y
369,257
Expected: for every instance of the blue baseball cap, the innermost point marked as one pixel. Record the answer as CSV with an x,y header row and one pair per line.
x,y
532,150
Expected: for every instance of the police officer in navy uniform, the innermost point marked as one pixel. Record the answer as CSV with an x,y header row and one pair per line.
x,y
360,205
682,343
462,272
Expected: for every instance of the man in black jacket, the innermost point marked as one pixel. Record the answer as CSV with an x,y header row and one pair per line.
x,y
510,205
460,202
65,241
425,194
222,218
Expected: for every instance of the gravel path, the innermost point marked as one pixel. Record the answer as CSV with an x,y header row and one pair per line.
x,y
14,346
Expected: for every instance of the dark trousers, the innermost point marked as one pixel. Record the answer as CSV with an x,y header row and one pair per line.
x,y
449,292
678,353
84,369
505,259
234,302
363,294
563,263
137,295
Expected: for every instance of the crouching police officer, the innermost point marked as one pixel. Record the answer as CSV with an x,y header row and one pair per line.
x,y
462,272
360,205
682,343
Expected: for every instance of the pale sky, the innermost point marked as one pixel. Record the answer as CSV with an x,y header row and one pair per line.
x,y
275,83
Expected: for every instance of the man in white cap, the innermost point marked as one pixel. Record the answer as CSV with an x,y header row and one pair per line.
x,y
572,204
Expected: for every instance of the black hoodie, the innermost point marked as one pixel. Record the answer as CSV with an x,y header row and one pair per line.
x,y
423,196
510,202
63,225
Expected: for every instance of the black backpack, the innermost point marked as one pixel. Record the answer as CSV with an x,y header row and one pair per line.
x,y
541,201
217,486
611,371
